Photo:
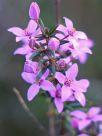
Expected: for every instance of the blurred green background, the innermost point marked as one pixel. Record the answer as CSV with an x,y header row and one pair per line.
x,y
87,16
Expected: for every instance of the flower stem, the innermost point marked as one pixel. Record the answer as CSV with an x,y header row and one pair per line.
x,y
52,131
27,110
57,11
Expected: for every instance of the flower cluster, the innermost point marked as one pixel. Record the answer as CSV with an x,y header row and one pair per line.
x,y
50,55
50,67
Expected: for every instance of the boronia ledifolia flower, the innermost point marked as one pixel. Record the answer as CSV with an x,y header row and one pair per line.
x,y
51,65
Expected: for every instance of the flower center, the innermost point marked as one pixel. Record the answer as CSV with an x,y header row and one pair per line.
x,y
40,82
68,82
27,33
70,33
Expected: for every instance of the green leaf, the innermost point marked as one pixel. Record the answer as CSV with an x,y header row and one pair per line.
x,y
39,75
53,69
35,54
52,30
42,25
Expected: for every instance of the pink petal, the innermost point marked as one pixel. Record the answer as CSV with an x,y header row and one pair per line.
x,y
23,50
52,92
74,122
99,135
45,75
83,135
66,93
85,50
83,124
74,42
32,92
93,111
59,105
60,77
98,118
69,24
47,85
72,72
80,97
83,58
62,29
17,31
28,77
65,47
32,25
58,87
78,114
80,85
80,35
34,11
22,38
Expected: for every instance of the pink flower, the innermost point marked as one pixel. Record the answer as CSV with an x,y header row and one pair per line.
x,y
23,50
53,44
81,50
30,74
34,11
56,94
72,87
70,33
27,34
85,119
31,70
87,44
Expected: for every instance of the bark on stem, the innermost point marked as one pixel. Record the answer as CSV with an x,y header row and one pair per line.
x,y
57,10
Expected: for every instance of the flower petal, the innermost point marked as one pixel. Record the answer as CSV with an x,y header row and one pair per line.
x,y
60,77
62,29
32,25
32,92
59,105
80,97
23,50
80,35
45,75
34,11
47,85
83,135
82,124
28,77
78,114
69,24
66,93
72,72
98,118
93,111
83,58
80,85
17,31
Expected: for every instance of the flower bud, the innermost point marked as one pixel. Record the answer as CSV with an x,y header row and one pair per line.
x,y
53,44
34,11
